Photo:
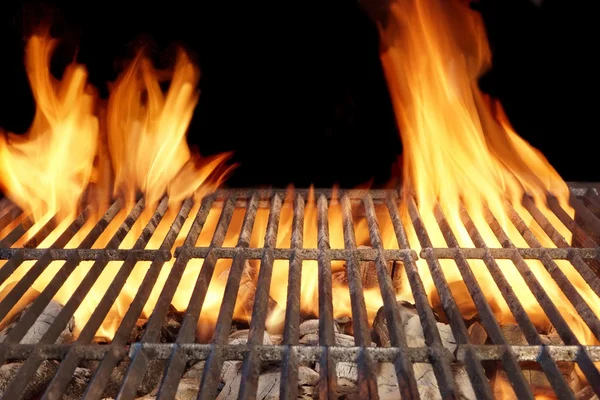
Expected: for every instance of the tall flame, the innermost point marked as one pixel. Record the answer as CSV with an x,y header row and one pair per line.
x,y
461,150
147,131
46,170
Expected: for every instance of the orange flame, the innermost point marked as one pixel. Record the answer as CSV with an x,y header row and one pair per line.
x,y
461,152
47,171
309,293
147,137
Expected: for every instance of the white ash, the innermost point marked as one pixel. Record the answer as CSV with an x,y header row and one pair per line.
x,y
41,325
48,368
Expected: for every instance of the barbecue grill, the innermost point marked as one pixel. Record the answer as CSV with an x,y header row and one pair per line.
x,y
174,357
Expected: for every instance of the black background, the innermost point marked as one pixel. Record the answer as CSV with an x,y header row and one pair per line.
x,y
296,89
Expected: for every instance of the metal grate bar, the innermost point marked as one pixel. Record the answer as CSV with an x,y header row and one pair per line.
x,y
557,274
489,322
10,267
593,198
17,232
589,219
39,267
63,376
527,253
354,194
125,227
40,303
43,233
584,359
31,364
176,365
71,230
585,271
440,360
110,361
273,353
289,370
555,377
589,204
404,371
578,233
175,358
327,385
101,225
366,372
140,360
360,254
473,364
214,363
21,255
10,212
252,362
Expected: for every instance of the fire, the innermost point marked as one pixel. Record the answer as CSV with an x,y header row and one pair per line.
x,y
461,150
309,299
46,170
309,302
164,163
142,131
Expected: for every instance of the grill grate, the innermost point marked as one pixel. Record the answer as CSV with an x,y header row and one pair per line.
x,y
585,200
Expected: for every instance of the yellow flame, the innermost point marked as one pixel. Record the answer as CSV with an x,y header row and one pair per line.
x,y
147,132
46,171
461,150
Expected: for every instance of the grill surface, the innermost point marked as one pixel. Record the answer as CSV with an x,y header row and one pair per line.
x,y
290,354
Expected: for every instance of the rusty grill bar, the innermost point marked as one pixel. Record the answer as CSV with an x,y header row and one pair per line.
x,y
584,257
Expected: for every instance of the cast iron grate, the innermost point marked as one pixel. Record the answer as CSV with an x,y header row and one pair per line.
x,y
290,354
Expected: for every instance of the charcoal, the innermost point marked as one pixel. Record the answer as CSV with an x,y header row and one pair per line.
x,y
477,333
168,332
587,393
247,289
48,368
152,377
311,326
532,371
341,339
14,314
241,337
426,380
269,383
41,325
368,274
380,330
38,383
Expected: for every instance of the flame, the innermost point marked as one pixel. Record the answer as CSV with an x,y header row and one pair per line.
x,y
164,162
309,293
462,151
142,132
309,303
46,170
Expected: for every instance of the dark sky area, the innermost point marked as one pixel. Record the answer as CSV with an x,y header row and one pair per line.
x,y
296,89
